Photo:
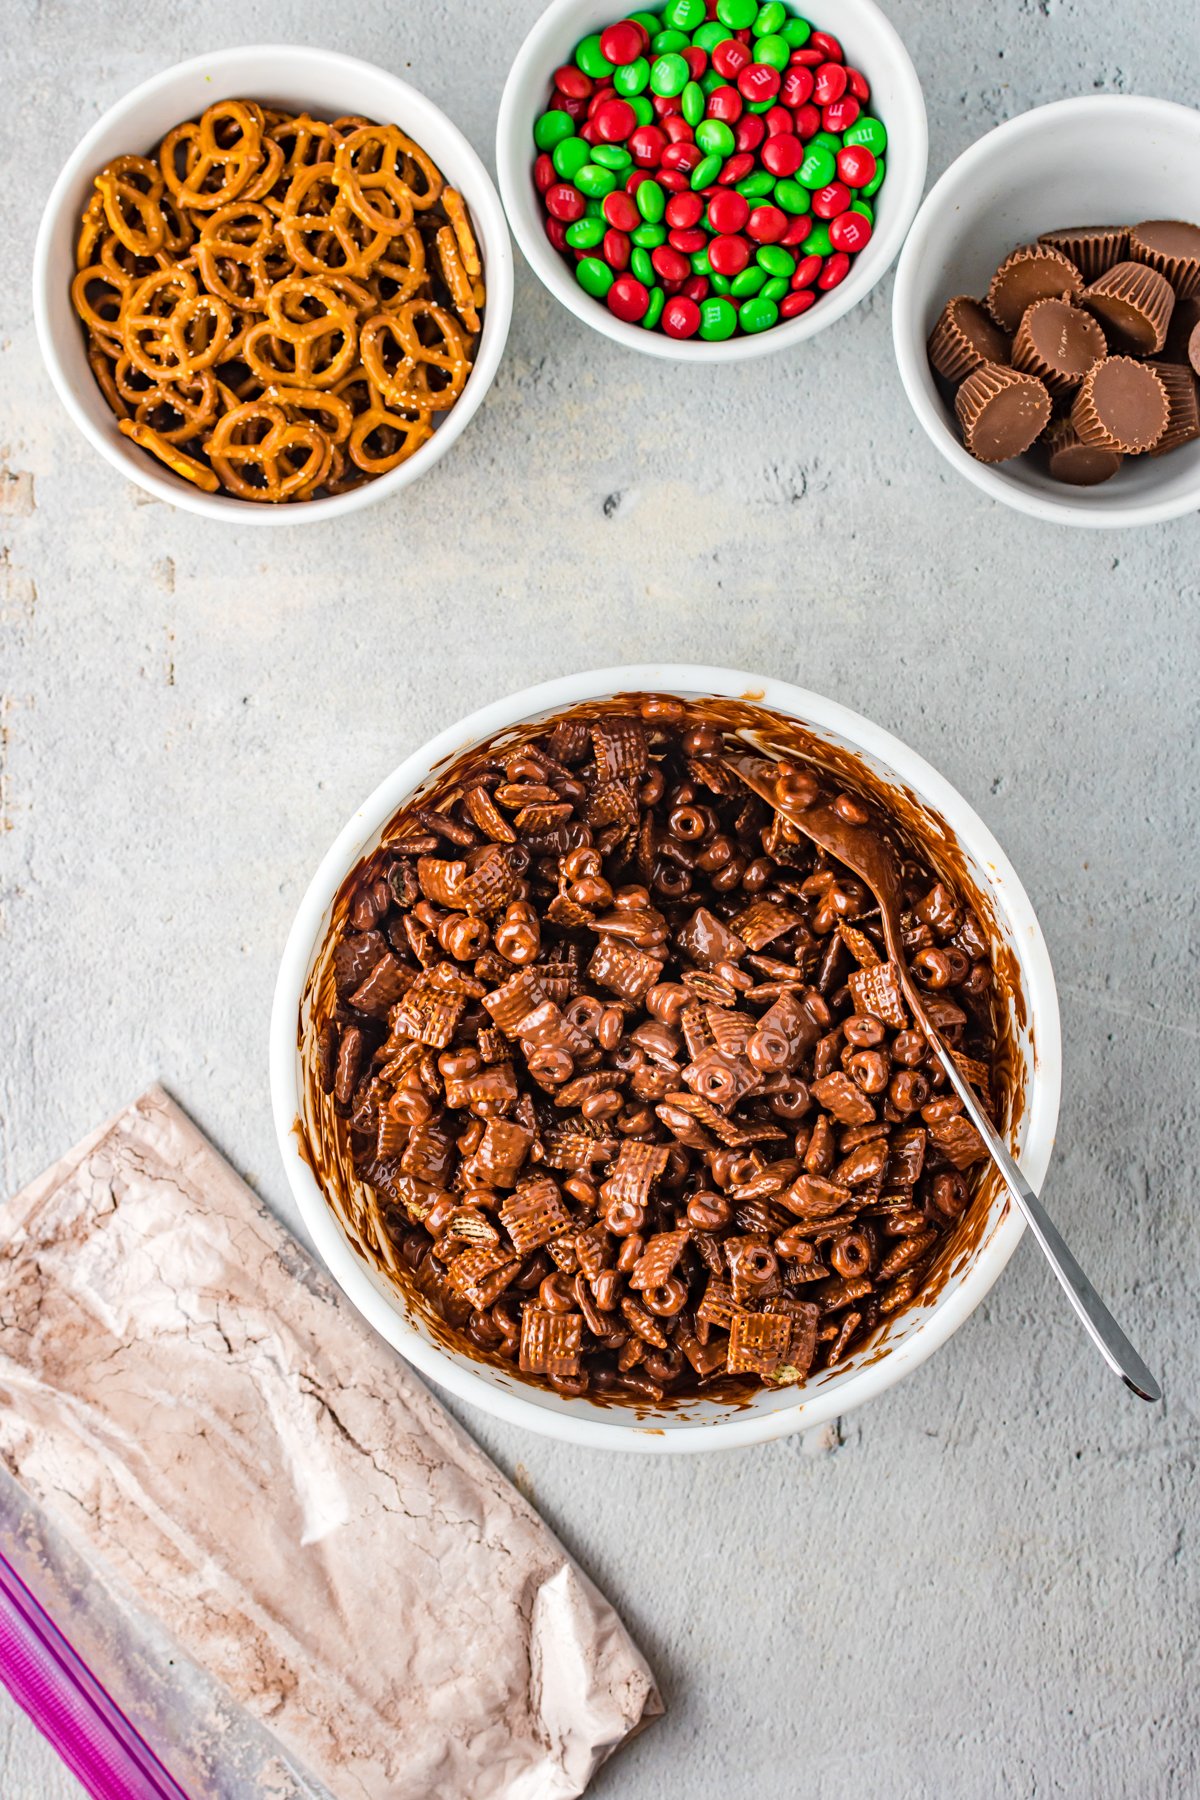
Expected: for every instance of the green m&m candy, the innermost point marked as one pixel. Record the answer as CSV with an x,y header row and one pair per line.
x,y
709,36
643,112
552,128
668,43
684,15
721,284
775,260
651,201
756,315
591,59
771,18
757,186
654,311
715,138
641,266
743,286
649,236
631,78
594,276
594,181
739,15
868,131
718,319
669,75
876,182
792,197
796,32
773,51
818,168
612,156
649,22
706,171
824,140
692,102
585,234
569,157
818,242
776,288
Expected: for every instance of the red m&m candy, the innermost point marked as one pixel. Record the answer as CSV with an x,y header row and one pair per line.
x,y
614,121
628,299
623,43
681,316
851,232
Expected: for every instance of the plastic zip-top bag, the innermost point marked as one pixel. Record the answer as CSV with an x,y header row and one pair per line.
x,y
259,1492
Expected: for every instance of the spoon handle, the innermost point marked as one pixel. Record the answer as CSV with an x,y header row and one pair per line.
x,y
1098,1322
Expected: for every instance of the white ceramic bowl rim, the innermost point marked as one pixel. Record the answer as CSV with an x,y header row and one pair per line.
x,y
286,70
858,22
1063,117
529,1407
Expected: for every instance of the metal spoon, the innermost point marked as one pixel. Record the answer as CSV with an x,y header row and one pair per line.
x,y
870,857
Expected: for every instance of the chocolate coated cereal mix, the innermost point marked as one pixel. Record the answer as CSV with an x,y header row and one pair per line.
x,y
627,1072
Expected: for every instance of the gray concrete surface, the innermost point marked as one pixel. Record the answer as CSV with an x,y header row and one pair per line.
x,y
988,1587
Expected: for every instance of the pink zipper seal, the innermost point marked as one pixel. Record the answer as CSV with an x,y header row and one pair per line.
x,y
50,1681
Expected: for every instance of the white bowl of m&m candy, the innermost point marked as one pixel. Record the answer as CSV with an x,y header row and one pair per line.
x,y
711,179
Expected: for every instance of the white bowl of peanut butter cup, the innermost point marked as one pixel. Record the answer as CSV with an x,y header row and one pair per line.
x,y
1100,160
952,835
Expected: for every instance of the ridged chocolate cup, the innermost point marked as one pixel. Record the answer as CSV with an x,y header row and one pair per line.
x,y
1121,405
1028,273
1001,412
1092,248
1134,303
964,337
1058,343
1183,406
1069,459
1183,344
1172,246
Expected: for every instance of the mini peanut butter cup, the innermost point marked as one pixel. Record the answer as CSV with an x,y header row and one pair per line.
x,y
1031,272
1181,332
1172,246
1077,463
1183,406
1092,248
1001,412
1058,343
963,338
1133,302
1122,405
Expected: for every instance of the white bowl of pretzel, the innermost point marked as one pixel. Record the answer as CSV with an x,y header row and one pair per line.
x,y
273,284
